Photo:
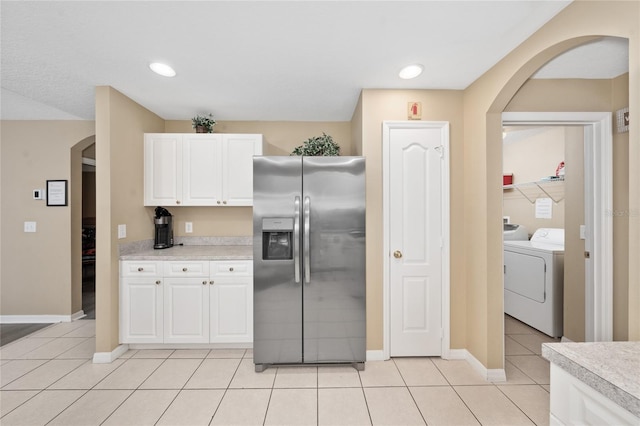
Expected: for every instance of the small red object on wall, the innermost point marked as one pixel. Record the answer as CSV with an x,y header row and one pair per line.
x,y
507,179
414,111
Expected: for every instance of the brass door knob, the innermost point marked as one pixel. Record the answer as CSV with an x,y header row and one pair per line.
x,y
397,254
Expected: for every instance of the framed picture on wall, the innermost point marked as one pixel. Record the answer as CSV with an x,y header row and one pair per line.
x,y
56,192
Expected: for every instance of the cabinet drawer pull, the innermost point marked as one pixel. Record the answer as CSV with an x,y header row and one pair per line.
x,y
184,269
218,201
177,201
158,282
140,269
224,202
204,283
211,282
231,269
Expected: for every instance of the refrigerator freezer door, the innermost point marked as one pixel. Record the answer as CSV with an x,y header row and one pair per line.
x,y
277,184
334,295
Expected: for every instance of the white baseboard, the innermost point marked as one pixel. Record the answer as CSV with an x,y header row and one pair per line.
x,y
109,357
375,356
78,315
34,319
457,354
490,375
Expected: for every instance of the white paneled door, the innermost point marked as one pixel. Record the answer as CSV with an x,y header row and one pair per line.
x,y
416,157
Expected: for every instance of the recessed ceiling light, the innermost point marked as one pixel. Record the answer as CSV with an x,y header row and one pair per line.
x,y
162,69
411,71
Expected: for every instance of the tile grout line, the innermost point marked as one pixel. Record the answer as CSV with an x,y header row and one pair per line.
x,y
132,390
183,385
409,390
517,406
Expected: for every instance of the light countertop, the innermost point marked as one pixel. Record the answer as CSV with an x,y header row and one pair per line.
x,y
193,252
611,368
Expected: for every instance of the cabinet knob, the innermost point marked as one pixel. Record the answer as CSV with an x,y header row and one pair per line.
x,y
224,202
231,269
158,282
204,283
218,201
177,201
140,269
184,269
211,282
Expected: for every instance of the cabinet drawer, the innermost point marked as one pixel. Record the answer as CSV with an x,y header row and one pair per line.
x,y
231,268
140,268
186,269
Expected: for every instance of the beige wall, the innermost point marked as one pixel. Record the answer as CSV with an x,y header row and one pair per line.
x,y
485,100
381,105
530,154
36,267
621,214
574,267
120,125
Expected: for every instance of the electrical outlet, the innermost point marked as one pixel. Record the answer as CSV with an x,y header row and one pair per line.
x,y
29,227
38,194
122,231
188,227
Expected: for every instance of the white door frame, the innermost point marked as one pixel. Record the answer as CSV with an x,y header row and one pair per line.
x,y
598,176
387,126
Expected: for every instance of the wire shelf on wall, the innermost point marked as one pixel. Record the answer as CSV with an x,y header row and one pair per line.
x,y
553,188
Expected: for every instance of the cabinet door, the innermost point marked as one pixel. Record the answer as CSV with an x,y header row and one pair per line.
x,y
141,310
231,309
202,169
162,169
186,310
237,168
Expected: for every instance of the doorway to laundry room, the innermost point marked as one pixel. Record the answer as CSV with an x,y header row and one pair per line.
x,y
544,211
595,292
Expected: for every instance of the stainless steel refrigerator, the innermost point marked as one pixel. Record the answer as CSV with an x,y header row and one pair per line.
x,y
309,260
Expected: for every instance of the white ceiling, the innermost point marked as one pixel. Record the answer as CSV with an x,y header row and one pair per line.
x,y
261,60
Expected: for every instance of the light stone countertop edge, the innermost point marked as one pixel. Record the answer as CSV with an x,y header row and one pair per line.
x,y
568,356
182,253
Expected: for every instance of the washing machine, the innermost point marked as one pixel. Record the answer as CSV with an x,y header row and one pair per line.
x,y
534,280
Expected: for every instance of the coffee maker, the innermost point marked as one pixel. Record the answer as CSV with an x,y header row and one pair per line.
x,y
164,229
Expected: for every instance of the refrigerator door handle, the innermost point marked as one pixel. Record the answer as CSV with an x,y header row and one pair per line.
x,y
307,268
296,241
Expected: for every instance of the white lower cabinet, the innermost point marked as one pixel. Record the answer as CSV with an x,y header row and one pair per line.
x,y
187,302
141,295
231,303
575,403
186,310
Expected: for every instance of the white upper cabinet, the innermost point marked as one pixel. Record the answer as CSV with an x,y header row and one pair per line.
x,y
199,169
162,169
201,156
237,169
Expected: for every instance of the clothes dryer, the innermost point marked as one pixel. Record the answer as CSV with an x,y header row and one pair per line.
x,y
534,280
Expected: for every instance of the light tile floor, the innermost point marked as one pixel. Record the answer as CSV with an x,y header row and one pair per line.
x,y
48,378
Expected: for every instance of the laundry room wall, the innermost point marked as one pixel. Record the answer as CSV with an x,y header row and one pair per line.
x,y
531,154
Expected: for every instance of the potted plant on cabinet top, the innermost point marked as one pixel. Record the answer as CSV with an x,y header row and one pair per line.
x,y
318,146
203,123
